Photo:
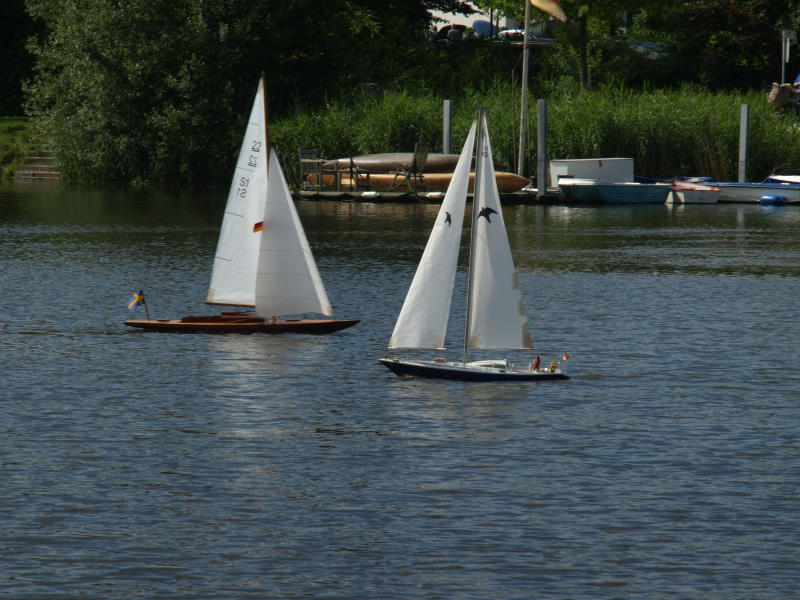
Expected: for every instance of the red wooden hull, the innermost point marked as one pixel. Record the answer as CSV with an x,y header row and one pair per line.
x,y
237,322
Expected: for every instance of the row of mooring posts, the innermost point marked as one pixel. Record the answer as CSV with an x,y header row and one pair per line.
x,y
541,142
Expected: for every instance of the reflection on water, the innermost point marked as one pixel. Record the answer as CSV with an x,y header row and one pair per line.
x,y
189,466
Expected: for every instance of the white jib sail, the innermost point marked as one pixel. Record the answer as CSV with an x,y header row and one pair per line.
x,y
233,275
497,316
423,319
287,282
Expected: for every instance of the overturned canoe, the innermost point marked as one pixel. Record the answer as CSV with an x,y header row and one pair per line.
x,y
427,182
390,162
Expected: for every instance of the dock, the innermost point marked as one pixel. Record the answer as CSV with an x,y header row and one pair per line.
x,y
527,196
37,168
524,197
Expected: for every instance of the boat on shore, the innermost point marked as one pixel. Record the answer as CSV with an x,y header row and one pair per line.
x,y
690,192
596,191
263,260
507,183
391,162
784,178
734,191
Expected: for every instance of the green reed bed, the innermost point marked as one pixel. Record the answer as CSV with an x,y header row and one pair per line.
x,y
687,131
17,140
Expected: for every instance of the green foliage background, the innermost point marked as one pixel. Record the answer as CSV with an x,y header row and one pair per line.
x,y
688,131
158,90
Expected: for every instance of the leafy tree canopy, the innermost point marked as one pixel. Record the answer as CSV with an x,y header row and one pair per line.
x,y
159,89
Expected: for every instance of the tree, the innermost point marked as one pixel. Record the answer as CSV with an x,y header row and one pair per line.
x,y
733,44
142,89
157,89
15,27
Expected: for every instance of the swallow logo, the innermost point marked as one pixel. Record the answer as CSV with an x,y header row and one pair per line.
x,y
487,212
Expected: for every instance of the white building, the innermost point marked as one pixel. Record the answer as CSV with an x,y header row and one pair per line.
x,y
479,21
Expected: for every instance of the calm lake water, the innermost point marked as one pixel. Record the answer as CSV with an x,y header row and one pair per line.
x,y
146,465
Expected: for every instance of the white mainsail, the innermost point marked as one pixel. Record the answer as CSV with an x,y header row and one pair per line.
x,y
423,319
287,280
233,275
263,259
497,316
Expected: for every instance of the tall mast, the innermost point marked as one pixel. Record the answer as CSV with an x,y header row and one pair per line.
x,y
266,120
479,157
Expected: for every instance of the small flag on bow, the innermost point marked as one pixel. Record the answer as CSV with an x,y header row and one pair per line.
x,y
136,300
258,226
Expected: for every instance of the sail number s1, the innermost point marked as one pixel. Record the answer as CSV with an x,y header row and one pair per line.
x,y
241,190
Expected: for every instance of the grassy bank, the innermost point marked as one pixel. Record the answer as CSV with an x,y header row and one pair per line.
x,y
668,132
17,140
687,131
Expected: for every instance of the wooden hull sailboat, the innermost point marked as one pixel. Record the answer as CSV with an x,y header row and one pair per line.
x,y
263,261
495,312
242,322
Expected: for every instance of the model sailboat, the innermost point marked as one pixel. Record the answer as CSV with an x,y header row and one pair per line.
x,y
495,313
263,260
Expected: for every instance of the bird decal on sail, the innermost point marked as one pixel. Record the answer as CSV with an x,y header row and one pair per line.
x,y
448,219
487,211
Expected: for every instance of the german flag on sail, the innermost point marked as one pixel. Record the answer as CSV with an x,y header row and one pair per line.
x,y
258,226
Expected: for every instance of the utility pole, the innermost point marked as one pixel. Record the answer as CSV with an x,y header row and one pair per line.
x,y
523,118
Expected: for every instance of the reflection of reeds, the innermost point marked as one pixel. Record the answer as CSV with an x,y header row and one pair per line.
x,y
687,131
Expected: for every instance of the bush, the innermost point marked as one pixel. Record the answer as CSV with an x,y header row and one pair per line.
x,y
18,138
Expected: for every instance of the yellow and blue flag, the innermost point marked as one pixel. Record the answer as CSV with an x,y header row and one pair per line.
x,y
136,300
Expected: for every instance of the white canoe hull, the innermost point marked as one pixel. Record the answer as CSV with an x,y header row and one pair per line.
x,y
752,192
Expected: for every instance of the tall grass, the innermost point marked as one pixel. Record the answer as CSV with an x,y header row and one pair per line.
x,y
17,141
687,131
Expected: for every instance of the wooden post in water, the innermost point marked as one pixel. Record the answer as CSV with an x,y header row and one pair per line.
x,y
744,132
541,148
447,141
